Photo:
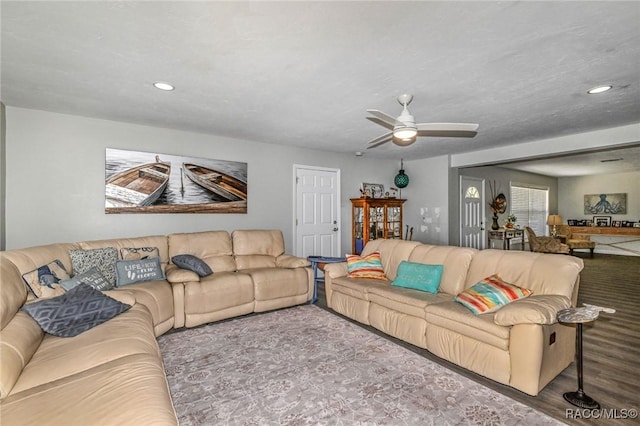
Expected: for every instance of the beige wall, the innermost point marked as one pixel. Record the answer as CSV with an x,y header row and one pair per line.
x,y
55,179
571,192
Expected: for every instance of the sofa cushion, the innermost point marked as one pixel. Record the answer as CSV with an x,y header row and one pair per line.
x,y
367,266
536,309
490,294
455,261
405,300
392,251
19,341
92,277
136,253
104,259
78,310
357,287
418,276
133,271
457,319
43,281
128,391
192,263
542,273
213,247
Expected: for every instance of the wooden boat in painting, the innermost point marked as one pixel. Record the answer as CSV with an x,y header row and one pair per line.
x,y
219,183
138,186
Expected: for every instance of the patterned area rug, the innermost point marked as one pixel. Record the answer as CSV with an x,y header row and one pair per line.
x,y
306,366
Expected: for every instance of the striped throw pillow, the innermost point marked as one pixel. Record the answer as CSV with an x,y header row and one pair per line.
x,y
490,294
369,266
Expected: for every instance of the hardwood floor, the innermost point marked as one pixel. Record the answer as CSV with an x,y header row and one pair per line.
x,y
611,346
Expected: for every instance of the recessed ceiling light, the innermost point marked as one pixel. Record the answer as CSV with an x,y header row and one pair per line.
x,y
599,89
163,85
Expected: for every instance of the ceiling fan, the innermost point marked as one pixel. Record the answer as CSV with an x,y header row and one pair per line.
x,y
404,129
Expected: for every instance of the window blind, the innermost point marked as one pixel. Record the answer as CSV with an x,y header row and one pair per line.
x,y
531,207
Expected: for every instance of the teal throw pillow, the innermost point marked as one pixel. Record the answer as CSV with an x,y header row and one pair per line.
x,y
418,276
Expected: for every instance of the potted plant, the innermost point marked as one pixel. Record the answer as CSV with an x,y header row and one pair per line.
x,y
511,221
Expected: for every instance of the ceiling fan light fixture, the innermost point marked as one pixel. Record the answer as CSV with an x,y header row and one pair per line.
x,y
404,142
405,133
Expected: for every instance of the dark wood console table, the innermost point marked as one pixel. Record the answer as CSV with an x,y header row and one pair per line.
x,y
605,230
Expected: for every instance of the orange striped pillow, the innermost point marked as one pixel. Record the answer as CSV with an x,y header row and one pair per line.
x,y
369,266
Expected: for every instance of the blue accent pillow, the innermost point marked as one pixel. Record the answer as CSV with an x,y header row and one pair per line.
x,y
418,276
192,263
133,271
78,310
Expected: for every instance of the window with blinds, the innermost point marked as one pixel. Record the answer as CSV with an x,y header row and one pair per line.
x,y
531,206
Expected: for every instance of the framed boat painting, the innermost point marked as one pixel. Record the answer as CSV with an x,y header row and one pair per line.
x,y
146,182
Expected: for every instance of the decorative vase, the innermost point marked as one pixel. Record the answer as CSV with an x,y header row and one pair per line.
x,y
495,225
401,180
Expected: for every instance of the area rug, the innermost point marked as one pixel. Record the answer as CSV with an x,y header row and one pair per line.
x,y
307,366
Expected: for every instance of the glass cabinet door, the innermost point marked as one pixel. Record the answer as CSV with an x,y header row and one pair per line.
x,y
393,222
358,228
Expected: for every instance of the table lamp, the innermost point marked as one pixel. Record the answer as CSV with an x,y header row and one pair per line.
x,y
554,220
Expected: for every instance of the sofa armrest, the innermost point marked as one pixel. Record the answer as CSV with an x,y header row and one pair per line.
x,y
122,296
289,261
536,309
335,270
179,275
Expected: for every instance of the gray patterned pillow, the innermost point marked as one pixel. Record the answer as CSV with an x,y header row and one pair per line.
x,y
78,310
192,263
92,277
137,253
133,271
102,258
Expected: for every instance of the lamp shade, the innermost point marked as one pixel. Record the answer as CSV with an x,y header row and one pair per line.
x,y
554,220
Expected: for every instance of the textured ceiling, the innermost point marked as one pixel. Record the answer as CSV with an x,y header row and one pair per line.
x,y
304,73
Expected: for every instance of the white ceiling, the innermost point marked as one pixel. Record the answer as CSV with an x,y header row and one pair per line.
x,y
304,73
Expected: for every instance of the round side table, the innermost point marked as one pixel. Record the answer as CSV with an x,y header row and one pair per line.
x,y
579,316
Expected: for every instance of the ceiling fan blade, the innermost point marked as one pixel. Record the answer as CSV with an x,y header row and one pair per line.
x,y
463,127
380,122
380,140
448,130
391,121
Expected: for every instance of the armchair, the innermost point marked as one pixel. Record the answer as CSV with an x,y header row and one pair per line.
x,y
577,241
545,244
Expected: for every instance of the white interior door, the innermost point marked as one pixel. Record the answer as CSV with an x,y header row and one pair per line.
x,y
472,230
317,218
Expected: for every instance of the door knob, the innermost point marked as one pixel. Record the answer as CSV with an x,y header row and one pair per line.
x,y
335,229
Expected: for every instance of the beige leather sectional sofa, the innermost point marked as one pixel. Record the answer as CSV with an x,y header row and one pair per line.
x,y
113,373
520,345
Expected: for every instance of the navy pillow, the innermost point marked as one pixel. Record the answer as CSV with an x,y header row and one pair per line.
x,y
78,310
192,263
418,276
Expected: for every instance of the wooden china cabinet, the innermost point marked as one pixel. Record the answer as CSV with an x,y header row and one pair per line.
x,y
374,218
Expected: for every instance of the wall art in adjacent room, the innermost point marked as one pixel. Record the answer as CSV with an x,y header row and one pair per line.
x,y
605,203
145,182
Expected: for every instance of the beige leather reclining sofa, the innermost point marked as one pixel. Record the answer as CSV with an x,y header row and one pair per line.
x,y
520,345
113,374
